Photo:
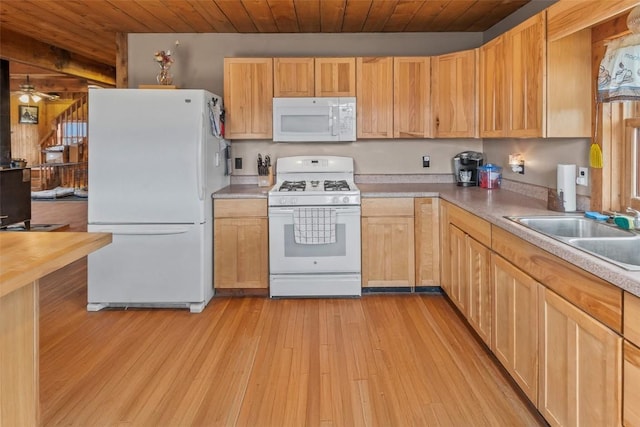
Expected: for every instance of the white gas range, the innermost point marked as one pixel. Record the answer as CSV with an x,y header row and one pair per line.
x,y
314,228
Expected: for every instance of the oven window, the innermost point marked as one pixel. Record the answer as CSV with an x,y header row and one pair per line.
x,y
305,123
293,249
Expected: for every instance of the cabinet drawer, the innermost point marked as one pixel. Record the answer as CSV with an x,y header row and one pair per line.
x,y
474,226
387,207
234,208
631,320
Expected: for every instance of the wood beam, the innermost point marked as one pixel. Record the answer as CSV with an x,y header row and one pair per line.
x,y
122,60
19,47
52,84
568,16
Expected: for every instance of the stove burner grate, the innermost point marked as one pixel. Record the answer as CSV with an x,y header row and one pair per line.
x,y
292,186
336,185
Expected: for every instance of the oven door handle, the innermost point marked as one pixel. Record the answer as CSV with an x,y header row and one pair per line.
x,y
342,210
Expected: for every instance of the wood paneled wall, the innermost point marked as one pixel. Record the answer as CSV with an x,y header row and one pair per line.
x,y
25,138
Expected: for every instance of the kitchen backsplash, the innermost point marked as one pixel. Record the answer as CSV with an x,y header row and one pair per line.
x,y
371,157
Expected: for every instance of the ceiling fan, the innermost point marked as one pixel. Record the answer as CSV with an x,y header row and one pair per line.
x,y
28,92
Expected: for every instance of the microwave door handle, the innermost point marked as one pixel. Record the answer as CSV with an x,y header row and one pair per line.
x,y
334,120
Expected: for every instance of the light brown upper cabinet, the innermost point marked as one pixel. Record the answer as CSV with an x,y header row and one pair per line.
x,y
293,77
335,76
493,108
453,94
374,94
411,94
534,88
569,86
248,93
525,54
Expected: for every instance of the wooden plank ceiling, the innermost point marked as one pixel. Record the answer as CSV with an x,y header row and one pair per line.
x,y
88,28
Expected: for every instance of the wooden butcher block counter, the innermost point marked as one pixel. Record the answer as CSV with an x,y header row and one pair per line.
x,y
25,257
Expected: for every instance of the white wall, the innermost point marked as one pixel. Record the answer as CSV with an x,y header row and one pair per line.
x,y
199,57
542,157
370,156
199,64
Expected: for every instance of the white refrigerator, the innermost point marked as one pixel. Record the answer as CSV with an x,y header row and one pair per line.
x,y
155,158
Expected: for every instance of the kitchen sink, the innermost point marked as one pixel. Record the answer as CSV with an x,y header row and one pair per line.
x,y
571,226
606,241
624,252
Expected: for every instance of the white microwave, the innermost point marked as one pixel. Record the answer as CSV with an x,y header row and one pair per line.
x,y
314,119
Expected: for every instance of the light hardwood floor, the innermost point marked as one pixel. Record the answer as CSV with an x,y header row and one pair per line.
x,y
393,360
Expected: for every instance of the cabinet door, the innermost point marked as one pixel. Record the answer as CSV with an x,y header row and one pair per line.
x,y
335,76
479,288
493,101
445,251
514,339
525,63
631,392
580,366
458,273
293,77
427,239
387,252
569,86
453,89
374,93
241,253
248,94
411,97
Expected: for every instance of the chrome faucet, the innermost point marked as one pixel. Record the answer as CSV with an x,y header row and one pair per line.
x,y
636,217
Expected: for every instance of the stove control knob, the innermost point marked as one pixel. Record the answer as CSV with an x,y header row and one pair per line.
x,y
345,199
335,199
294,200
283,200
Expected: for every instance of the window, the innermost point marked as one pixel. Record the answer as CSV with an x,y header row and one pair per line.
x,y
630,177
74,132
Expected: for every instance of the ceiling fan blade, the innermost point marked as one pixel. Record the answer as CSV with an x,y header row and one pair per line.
x,y
49,96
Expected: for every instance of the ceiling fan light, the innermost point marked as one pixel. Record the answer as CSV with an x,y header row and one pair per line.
x,y
24,98
35,98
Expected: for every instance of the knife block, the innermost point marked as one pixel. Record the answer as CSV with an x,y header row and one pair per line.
x,y
266,180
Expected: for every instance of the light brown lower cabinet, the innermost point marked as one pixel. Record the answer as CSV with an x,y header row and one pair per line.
x,y
458,275
631,377
427,241
515,324
479,288
631,381
580,366
388,255
241,248
466,272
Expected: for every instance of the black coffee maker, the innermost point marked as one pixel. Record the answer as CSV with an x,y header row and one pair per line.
x,y
465,166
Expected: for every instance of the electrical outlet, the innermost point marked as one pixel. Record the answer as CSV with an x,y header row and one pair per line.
x,y
583,176
238,163
426,160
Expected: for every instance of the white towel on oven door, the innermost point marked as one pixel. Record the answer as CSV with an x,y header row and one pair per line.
x,y
314,226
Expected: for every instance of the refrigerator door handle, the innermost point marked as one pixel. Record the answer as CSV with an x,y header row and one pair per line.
x,y
199,156
150,232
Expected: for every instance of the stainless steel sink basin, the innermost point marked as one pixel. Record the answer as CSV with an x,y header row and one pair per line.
x,y
606,241
622,251
571,226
